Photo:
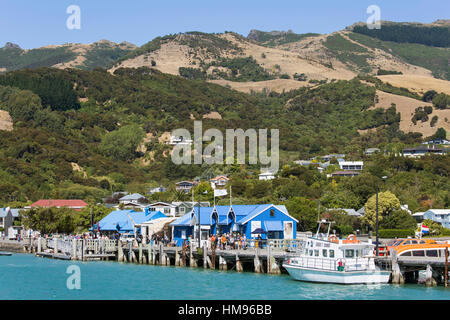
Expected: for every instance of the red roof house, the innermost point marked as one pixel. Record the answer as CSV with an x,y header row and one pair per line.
x,y
73,204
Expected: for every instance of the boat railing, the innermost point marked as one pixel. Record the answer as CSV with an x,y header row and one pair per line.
x,y
357,264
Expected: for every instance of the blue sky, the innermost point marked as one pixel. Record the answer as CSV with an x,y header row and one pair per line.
x,y
35,23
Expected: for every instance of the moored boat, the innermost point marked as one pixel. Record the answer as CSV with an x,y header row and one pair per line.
x,y
331,260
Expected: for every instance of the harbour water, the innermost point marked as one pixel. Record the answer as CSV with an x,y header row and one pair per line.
x,y
24,276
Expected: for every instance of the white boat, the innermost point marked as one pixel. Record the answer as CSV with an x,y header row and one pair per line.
x,y
327,259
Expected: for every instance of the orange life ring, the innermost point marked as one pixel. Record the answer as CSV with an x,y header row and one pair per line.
x,y
333,238
351,237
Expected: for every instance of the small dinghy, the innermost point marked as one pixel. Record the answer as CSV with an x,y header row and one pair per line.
x,y
5,253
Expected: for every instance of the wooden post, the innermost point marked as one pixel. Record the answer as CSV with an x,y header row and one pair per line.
x,y
257,263
446,267
39,249
192,261
161,260
120,255
154,254
397,277
149,253
82,250
183,255
213,257
274,268
222,263
141,258
239,267
269,260
205,256
177,257
430,281
55,245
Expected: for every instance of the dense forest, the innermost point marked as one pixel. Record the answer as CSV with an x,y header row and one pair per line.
x,y
408,33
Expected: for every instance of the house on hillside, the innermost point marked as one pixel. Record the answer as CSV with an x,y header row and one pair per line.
x,y
179,140
184,186
370,151
351,165
266,175
219,181
274,220
349,212
346,173
157,190
421,151
59,203
441,216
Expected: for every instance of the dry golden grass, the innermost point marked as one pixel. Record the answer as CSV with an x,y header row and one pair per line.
x,y
406,106
417,83
6,122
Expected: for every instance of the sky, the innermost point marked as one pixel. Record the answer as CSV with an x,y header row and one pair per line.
x,y
37,23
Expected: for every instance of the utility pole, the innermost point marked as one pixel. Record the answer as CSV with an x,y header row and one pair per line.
x,y
376,228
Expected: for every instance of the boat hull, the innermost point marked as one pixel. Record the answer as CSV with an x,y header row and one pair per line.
x,y
338,277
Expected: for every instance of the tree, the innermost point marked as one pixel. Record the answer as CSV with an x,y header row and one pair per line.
x,y
305,211
440,134
398,219
387,202
50,220
121,144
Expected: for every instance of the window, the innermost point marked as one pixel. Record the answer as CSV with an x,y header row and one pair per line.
x,y
418,253
310,253
324,252
166,210
414,241
407,242
331,253
432,253
272,212
422,242
349,253
405,254
182,209
316,253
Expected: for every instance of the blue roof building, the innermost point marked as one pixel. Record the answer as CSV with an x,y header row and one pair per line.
x,y
243,219
124,221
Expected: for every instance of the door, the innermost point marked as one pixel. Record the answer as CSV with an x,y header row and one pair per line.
x,y
288,230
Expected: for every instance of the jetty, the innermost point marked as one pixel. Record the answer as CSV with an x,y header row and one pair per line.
x,y
267,257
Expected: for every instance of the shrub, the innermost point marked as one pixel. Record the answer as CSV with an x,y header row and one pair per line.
x,y
399,233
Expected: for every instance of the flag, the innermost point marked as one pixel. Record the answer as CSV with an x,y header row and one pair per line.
x,y
424,229
220,192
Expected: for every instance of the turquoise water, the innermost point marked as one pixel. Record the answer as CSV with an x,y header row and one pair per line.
x,y
25,276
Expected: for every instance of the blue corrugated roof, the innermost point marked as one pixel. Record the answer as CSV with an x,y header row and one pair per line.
x,y
126,219
183,220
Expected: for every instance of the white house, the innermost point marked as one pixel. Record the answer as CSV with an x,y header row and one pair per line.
x,y
167,208
267,175
351,165
175,140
